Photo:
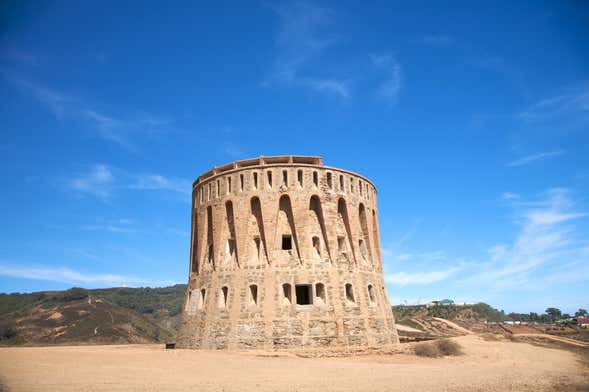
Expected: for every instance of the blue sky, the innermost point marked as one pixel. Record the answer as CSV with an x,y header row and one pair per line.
x,y
471,119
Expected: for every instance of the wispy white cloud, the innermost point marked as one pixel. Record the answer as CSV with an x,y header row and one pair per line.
x,y
389,88
159,182
575,102
420,278
122,130
55,101
98,181
535,158
66,275
301,39
112,225
336,87
547,238
509,196
101,182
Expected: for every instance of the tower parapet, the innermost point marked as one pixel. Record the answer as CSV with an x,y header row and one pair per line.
x,y
284,253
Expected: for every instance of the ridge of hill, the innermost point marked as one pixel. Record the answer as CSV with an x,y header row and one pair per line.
x,y
113,315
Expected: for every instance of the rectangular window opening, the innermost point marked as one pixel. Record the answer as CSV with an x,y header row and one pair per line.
x,y
303,293
255,180
285,177
228,184
241,182
286,242
269,179
315,179
300,177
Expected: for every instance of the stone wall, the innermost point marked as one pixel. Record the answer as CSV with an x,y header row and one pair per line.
x,y
285,253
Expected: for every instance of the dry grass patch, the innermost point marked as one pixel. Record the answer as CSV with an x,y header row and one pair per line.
x,y
438,348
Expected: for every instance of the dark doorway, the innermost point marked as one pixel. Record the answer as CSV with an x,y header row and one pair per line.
x,y
303,293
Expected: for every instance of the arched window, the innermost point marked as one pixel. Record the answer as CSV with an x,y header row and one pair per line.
x,y
241,182
287,293
371,295
285,178
269,174
228,184
320,293
341,182
300,177
350,293
253,295
255,180
223,297
329,180
315,179
201,300
317,246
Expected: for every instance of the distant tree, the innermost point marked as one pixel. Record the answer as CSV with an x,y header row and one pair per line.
x,y
566,316
581,313
534,316
554,313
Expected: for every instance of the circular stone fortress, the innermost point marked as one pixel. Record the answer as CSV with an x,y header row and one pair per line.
x,y
284,253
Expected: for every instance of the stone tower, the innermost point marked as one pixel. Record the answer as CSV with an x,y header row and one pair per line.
x,y
284,253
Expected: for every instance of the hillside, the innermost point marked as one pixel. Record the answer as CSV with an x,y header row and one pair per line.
x,y
116,315
422,323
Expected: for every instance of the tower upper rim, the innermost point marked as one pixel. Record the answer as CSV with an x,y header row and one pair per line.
x,y
268,161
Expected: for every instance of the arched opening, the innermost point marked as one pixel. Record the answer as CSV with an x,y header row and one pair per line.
x,y
341,183
202,298
343,220
210,255
192,303
223,295
287,294
365,248
316,246
231,244
315,179
255,180
300,178
350,294
286,234
375,235
195,243
371,295
241,182
320,293
258,237
253,294
317,216
285,177
329,180
269,175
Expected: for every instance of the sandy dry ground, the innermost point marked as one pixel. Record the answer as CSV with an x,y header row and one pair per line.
x,y
487,366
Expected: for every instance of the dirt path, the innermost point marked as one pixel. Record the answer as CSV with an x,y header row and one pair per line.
x,y
562,339
454,325
405,328
487,366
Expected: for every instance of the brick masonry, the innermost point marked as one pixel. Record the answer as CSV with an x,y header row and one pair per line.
x,y
284,253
